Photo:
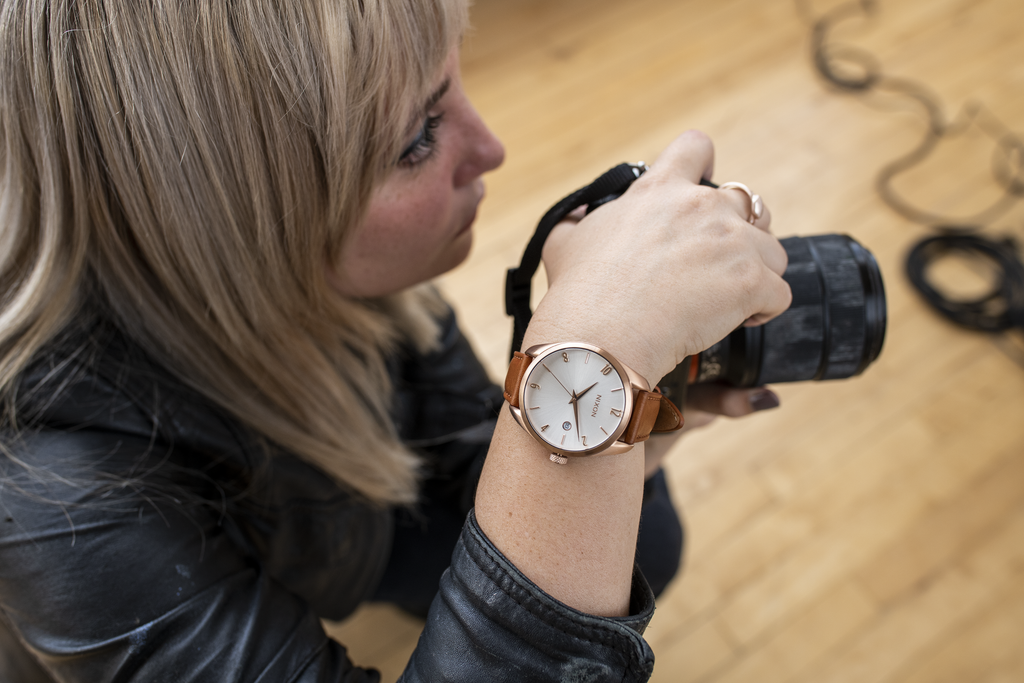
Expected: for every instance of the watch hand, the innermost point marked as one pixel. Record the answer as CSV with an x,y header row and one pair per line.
x,y
576,413
580,395
556,378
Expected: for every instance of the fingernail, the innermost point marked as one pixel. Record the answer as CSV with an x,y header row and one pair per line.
x,y
766,399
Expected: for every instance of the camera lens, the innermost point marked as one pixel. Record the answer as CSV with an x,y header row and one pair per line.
x,y
833,329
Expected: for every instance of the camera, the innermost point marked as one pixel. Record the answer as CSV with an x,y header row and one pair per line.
x,y
834,328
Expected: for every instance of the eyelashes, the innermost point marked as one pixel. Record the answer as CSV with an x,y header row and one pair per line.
x,y
424,144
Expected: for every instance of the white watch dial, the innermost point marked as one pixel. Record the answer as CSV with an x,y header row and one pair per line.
x,y
574,399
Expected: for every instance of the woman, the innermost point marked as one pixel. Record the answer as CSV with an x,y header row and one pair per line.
x,y
224,381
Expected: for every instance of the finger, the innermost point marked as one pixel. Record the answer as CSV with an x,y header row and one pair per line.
x,y
576,215
560,237
691,156
720,399
775,299
772,295
746,206
765,221
772,252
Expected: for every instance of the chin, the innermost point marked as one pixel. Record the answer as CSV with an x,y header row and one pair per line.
x,y
460,249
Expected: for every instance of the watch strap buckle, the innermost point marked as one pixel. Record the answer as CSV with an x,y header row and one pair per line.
x,y
652,412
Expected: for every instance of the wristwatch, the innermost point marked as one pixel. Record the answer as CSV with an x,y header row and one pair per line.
x,y
579,400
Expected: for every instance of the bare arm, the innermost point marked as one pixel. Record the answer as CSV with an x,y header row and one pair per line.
x,y
662,273
571,529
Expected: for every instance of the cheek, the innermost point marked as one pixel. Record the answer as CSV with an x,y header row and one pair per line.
x,y
397,220
402,231
406,238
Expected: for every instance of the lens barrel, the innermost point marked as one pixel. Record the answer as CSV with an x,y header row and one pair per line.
x,y
833,329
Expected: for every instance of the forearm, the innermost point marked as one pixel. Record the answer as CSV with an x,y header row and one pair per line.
x,y
571,529
653,277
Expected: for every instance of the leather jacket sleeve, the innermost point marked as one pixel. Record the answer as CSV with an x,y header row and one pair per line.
x,y
103,578
491,623
151,591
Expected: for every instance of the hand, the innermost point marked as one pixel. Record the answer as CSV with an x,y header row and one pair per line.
x,y
704,403
659,274
664,271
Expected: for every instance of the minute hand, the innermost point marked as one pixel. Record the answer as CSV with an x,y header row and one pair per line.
x,y
576,406
576,412
557,380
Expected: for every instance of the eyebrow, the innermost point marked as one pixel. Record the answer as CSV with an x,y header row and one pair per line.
x,y
436,96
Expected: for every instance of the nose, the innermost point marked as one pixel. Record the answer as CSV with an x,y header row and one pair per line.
x,y
483,151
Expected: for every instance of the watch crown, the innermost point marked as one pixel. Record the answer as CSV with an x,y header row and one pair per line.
x,y
558,459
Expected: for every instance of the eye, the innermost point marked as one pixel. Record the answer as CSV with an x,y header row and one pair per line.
x,y
423,145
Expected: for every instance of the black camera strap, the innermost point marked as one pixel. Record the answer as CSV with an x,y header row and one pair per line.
x,y
519,281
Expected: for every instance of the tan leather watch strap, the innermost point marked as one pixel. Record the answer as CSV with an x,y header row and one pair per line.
x,y
670,418
516,371
652,412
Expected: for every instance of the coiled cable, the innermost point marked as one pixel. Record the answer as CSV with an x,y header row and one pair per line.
x,y
854,70
1000,309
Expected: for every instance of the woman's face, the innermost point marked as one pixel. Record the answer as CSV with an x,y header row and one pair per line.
x,y
419,221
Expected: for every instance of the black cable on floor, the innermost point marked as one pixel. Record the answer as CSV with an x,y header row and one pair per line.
x,y
997,311
854,70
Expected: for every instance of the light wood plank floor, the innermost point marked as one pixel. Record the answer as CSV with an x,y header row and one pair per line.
x,y
870,530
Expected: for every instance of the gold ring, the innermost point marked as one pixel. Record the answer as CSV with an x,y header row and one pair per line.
x,y
756,205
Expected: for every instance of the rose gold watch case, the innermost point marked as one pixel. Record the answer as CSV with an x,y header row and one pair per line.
x,y
611,444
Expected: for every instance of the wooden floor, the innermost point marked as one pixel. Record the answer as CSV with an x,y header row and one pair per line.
x,y
869,530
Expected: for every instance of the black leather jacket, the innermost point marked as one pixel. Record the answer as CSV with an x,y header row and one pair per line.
x,y
144,536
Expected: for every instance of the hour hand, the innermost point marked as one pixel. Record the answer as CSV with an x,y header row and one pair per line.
x,y
580,395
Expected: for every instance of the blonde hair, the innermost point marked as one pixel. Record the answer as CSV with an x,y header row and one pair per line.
x,y
193,167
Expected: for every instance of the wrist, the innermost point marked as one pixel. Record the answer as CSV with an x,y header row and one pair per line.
x,y
629,350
